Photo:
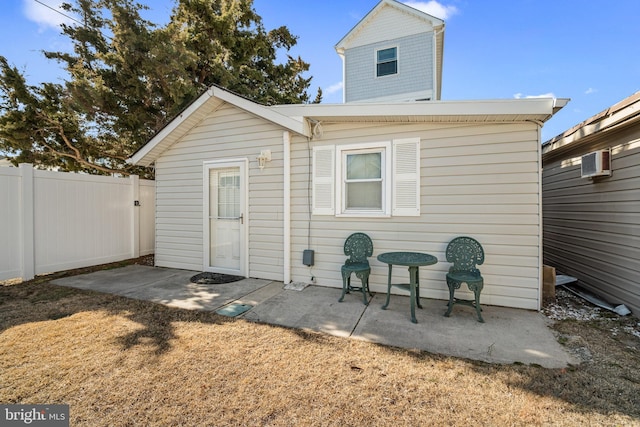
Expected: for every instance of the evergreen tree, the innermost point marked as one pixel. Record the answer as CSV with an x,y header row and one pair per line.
x,y
128,78
235,51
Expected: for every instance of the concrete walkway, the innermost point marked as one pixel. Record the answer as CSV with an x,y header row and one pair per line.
x,y
508,336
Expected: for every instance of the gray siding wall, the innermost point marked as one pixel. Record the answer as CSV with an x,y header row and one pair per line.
x,y
415,68
230,133
592,228
476,180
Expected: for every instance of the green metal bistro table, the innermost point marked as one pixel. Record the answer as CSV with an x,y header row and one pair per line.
x,y
413,260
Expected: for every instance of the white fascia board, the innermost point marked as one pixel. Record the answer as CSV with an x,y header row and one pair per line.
x,y
480,108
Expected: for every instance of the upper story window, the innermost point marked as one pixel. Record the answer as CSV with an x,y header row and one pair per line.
x,y
386,61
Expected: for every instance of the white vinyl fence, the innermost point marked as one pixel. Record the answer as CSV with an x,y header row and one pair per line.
x,y
53,221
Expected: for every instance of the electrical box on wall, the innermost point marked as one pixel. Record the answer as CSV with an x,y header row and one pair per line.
x,y
307,257
597,163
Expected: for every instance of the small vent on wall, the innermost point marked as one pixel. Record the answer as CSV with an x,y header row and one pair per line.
x,y
597,163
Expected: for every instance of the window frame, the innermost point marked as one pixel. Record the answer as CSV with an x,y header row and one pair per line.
x,y
342,151
378,62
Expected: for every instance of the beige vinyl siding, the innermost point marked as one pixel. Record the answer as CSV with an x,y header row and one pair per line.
x,y
477,180
592,228
229,134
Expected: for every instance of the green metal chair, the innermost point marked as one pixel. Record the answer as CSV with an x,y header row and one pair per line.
x,y
358,247
465,253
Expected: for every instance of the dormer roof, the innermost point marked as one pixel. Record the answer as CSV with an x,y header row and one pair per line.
x,y
351,38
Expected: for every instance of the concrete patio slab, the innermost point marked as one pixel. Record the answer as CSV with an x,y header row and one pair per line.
x,y
508,336
166,286
119,280
315,308
195,296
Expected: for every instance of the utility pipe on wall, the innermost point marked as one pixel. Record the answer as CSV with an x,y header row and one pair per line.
x,y
286,142
540,225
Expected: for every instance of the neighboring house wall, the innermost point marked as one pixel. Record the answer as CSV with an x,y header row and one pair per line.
x,y
229,134
592,227
52,221
476,180
415,69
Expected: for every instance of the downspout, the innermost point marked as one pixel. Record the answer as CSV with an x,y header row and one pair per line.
x,y
286,142
540,227
344,76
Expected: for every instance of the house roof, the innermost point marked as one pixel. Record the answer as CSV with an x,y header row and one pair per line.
x,y
345,42
438,25
506,110
212,99
296,117
622,114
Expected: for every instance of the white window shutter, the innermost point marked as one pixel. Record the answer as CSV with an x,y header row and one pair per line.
x,y
406,177
323,180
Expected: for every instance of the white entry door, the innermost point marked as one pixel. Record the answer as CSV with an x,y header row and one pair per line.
x,y
225,226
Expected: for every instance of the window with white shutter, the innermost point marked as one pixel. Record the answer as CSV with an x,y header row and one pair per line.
x,y
363,177
367,180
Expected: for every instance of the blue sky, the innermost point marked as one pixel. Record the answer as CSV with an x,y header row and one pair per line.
x,y
494,49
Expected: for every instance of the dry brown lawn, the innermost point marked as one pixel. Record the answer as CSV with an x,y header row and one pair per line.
x,y
121,362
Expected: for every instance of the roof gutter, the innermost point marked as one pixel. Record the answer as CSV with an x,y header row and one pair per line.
x,y
559,104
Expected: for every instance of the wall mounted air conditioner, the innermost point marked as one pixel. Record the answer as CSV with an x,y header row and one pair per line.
x,y
597,163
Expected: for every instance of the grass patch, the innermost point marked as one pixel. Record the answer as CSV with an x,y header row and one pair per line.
x,y
119,362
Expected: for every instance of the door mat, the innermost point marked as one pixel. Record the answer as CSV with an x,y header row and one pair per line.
x,y
208,278
233,310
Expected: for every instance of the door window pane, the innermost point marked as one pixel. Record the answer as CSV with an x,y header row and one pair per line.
x,y
228,194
